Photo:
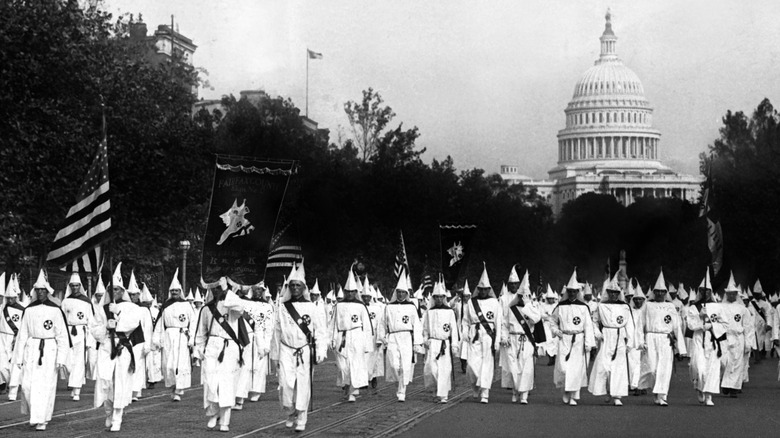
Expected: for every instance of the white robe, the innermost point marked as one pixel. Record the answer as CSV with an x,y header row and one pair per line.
x,y
290,347
440,334
174,335
661,327
376,358
738,331
41,345
141,351
520,353
614,326
7,336
114,379
635,354
78,314
550,346
154,357
706,351
256,357
503,352
351,336
219,353
480,344
399,328
573,327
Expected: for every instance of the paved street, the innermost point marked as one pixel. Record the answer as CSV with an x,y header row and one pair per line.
x,y
377,413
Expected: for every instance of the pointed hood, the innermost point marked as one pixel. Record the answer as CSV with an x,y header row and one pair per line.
x,y
189,296
682,294
340,293
402,284
638,292
175,281
525,285
198,297
366,289
504,290
297,273
132,285
42,282
757,289
573,283
331,296
116,280
466,290
660,283
146,295
75,279
12,290
732,286
550,293
351,283
316,288
100,288
484,281
513,277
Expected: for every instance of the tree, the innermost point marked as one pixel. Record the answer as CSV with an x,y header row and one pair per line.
x,y
60,63
368,119
745,168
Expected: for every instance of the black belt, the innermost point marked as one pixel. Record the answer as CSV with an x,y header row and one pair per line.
x,y
124,342
573,337
40,351
73,330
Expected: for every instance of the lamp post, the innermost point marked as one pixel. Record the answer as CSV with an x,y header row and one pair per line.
x,y
184,245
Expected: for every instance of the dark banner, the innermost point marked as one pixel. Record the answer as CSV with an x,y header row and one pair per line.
x,y
455,251
245,203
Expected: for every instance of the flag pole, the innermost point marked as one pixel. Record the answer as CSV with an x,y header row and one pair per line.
x,y
307,82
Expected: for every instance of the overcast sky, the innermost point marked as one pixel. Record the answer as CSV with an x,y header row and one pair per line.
x,y
487,82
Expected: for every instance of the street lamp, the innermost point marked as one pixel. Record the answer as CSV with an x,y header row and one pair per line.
x,y
184,245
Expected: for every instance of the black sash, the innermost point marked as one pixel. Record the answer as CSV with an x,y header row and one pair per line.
x,y
242,340
482,320
759,310
298,320
524,325
10,322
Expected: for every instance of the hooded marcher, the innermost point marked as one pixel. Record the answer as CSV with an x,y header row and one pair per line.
x,y
263,319
614,327
635,355
351,336
442,340
154,356
739,340
573,327
221,335
78,314
708,329
42,346
117,327
550,346
9,328
481,329
519,339
140,350
299,342
173,336
662,330
376,358
507,295
400,332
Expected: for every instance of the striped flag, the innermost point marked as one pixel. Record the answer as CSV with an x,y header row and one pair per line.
x,y
88,223
88,262
285,249
401,262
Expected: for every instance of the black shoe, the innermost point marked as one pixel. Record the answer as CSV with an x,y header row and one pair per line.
x,y
462,366
373,382
551,361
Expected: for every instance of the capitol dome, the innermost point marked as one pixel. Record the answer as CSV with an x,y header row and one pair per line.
x,y
609,122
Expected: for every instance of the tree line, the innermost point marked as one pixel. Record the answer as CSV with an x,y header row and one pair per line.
x,y
353,193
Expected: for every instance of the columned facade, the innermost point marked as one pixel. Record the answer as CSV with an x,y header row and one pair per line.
x,y
609,144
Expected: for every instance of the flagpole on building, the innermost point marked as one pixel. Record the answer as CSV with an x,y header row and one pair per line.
x,y
307,82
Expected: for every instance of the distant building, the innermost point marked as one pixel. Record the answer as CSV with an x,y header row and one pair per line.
x,y
166,42
609,144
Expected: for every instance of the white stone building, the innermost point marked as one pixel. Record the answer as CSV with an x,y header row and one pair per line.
x,y
609,144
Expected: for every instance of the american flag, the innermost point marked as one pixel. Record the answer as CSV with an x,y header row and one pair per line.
x,y
401,262
88,223
285,249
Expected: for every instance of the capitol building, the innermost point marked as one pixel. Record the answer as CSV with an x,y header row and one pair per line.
x,y
609,144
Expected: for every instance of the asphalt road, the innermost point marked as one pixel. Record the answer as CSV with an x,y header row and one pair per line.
x,y
756,413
